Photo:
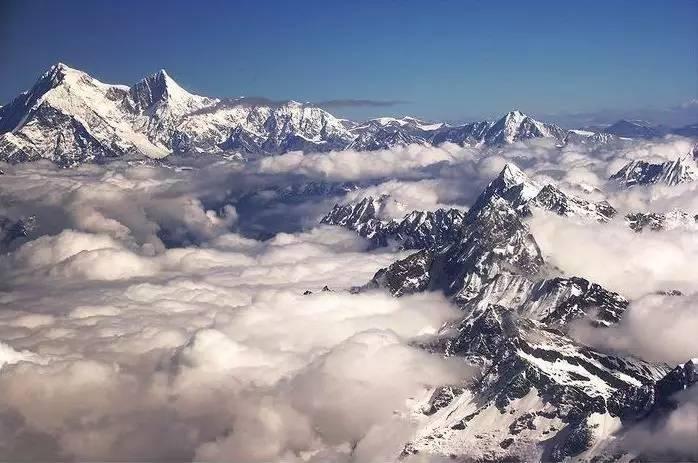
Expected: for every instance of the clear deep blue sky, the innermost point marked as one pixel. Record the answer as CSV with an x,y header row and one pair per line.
x,y
449,60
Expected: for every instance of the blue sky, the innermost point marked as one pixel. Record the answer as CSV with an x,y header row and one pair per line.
x,y
446,60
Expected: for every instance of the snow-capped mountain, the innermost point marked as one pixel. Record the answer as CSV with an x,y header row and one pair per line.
x,y
682,170
589,138
526,195
516,126
540,391
386,132
424,229
512,127
70,117
255,128
491,240
553,199
513,185
542,395
163,103
416,230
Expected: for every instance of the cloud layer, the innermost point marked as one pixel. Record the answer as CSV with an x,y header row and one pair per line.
x,y
212,352
157,312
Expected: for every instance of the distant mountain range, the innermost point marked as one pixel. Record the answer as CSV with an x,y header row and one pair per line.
x,y
70,118
644,129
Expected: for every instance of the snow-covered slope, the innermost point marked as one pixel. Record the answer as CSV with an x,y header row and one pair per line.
x,y
553,199
492,239
70,117
512,127
682,170
163,103
416,230
526,195
516,126
541,395
252,128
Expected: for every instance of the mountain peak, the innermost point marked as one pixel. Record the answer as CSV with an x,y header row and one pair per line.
x,y
512,184
160,89
639,172
162,78
511,175
513,118
57,73
515,114
59,67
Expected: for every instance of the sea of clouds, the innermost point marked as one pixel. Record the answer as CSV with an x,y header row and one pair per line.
x,y
157,311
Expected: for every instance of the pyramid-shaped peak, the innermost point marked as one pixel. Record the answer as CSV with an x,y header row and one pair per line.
x,y
58,71
62,67
159,88
59,67
166,79
514,116
57,75
512,175
161,78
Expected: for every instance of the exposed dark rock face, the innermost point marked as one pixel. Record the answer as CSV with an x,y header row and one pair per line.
x,y
492,240
15,232
416,230
682,170
540,392
554,200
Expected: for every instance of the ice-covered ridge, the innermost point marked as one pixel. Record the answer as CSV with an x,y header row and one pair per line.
x,y
681,170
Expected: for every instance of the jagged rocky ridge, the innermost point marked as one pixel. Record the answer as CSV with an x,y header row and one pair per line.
x,y
491,240
422,229
682,170
416,230
70,117
526,195
541,395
